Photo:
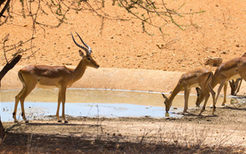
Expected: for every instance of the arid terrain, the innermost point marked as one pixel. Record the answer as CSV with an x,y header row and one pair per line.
x,y
209,28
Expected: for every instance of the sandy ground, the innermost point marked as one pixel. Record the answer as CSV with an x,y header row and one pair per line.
x,y
217,32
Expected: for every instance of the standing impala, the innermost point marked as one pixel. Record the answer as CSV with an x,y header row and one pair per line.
x,y
199,77
56,76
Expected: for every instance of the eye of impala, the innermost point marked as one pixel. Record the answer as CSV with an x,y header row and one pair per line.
x,y
88,58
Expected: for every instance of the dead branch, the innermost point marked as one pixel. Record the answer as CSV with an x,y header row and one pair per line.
x,y
16,56
4,8
7,48
2,132
9,66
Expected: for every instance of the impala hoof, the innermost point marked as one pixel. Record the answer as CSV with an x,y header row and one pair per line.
x,y
167,114
26,121
59,121
65,121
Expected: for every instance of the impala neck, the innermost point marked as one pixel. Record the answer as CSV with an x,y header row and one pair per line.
x,y
174,93
215,80
79,70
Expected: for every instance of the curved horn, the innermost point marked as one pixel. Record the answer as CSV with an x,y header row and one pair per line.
x,y
78,44
89,48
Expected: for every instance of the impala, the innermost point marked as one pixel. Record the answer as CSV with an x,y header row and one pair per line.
x,y
235,85
54,76
230,70
199,77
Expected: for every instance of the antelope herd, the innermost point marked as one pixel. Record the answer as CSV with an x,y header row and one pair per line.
x,y
63,77
230,70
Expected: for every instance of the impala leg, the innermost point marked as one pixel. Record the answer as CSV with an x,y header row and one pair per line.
x,y
199,99
238,85
213,97
242,73
57,111
186,97
199,96
225,89
23,109
17,99
218,92
23,96
63,99
15,109
58,105
206,94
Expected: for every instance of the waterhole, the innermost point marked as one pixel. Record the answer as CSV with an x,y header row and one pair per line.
x,y
42,104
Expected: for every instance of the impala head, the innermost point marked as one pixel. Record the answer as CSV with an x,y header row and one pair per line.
x,y
86,57
215,62
166,102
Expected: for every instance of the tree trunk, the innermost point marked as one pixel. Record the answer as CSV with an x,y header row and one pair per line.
x,y
9,66
2,132
4,8
3,72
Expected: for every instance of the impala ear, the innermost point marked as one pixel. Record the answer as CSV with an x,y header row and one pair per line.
x,y
81,53
164,96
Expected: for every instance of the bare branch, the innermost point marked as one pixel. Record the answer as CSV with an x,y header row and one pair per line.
x,y
4,8
5,39
9,66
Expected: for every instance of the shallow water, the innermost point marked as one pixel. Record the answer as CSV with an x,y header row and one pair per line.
x,y
44,110
92,103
